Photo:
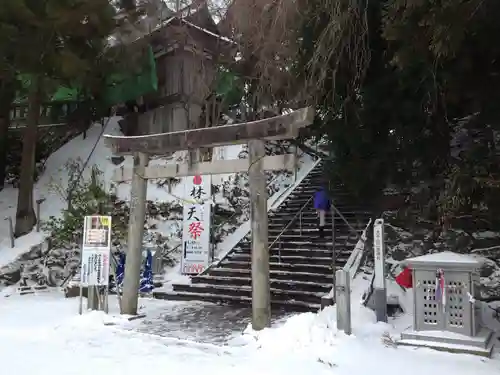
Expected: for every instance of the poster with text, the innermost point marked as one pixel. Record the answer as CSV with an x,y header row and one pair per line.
x,y
196,224
96,251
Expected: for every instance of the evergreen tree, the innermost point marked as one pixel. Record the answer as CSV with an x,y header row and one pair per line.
x,y
55,40
407,94
7,93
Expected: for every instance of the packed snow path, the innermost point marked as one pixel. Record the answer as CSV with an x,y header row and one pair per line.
x,y
201,322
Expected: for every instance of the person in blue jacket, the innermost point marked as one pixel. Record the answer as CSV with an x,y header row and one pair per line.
x,y
322,205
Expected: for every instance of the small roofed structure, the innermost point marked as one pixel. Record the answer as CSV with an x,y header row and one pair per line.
x,y
446,315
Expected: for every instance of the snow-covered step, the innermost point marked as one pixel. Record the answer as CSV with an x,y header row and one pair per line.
x,y
309,252
303,252
281,266
224,299
291,235
286,259
295,230
289,259
306,286
311,213
310,244
280,275
246,291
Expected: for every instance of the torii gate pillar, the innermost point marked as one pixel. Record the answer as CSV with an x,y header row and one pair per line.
x,y
261,295
138,194
254,133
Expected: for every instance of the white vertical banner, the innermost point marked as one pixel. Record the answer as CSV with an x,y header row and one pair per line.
x,y
379,254
96,251
197,208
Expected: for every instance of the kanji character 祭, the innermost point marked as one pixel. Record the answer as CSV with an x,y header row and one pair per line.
x,y
195,229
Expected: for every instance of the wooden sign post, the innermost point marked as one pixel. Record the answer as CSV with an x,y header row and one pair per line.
x,y
255,134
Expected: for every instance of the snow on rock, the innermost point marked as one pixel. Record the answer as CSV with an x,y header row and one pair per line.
x,y
8,254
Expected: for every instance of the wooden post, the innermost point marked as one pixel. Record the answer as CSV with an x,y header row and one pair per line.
x,y
11,232
38,203
135,234
261,298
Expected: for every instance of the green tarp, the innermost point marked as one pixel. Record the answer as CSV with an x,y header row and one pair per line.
x,y
125,86
64,94
122,86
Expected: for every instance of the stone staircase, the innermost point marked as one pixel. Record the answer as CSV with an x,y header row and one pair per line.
x,y
301,269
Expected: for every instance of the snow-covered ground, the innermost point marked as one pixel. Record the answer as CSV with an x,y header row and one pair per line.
x,y
45,335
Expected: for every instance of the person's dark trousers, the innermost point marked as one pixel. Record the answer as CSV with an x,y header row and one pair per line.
x,y
321,232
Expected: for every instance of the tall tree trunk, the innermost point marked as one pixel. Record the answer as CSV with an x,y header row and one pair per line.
x,y
7,94
25,215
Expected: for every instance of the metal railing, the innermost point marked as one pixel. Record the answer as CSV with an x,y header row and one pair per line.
x,y
298,214
353,262
215,264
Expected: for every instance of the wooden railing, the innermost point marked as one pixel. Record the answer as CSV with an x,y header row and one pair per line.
x,y
51,114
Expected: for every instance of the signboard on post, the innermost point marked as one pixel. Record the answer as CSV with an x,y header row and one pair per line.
x,y
96,251
196,224
379,288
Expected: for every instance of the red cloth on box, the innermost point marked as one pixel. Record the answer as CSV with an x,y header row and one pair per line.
x,y
405,278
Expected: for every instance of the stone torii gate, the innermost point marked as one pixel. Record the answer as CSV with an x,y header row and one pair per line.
x,y
255,134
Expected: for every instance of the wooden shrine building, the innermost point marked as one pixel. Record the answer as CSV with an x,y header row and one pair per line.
x,y
186,48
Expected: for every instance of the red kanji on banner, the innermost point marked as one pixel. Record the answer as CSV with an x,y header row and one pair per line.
x,y
197,180
195,229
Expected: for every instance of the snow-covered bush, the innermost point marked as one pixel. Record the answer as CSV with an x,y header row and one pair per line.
x,y
86,196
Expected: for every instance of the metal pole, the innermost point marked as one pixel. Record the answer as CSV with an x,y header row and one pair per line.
x,y
334,255
135,234
80,307
92,298
295,172
261,296
300,223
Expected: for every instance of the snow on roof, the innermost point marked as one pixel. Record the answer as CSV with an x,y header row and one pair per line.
x,y
209,32
445,257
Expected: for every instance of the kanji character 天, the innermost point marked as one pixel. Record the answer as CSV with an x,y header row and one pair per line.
x,y
191,214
